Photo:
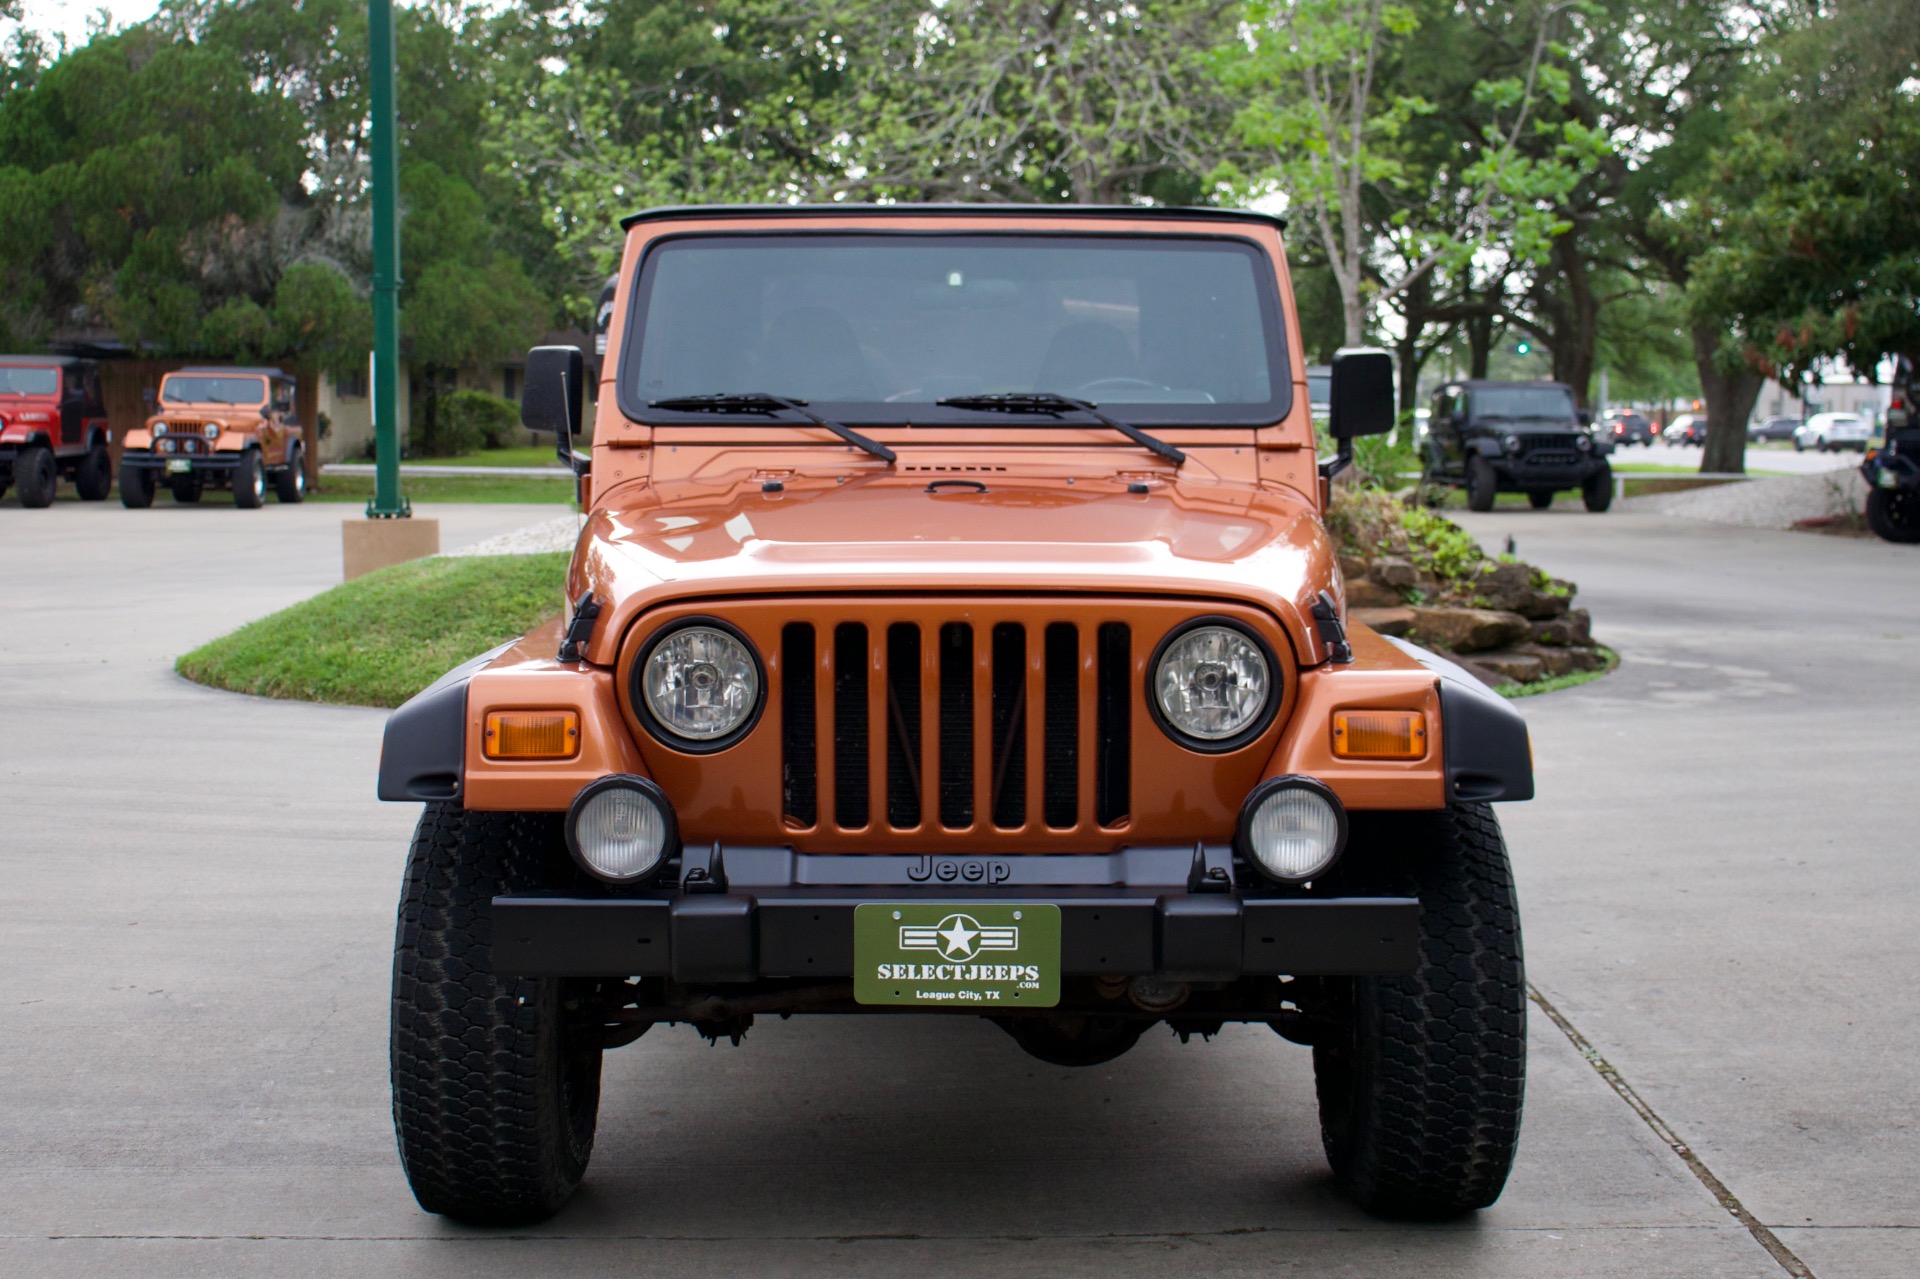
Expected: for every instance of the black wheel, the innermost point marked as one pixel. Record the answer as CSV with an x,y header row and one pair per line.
x,y
1482,484
494,1100
1539,499
136,487
1894,514
34,475
186,488
1420,1102
290,481
93,478
1597,490
249,482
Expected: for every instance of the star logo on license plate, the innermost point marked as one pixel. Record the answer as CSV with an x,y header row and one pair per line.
x,y
959,937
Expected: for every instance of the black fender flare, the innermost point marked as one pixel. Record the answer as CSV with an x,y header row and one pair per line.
x,y
423,752
1487,753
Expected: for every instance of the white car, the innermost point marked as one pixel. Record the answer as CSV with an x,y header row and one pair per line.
x,y
1831,432
1688,428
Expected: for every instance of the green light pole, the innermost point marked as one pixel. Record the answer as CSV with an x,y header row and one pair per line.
x,y
387,503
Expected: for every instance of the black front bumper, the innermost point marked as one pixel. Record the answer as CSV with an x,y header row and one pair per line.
x,y
781,915
198,463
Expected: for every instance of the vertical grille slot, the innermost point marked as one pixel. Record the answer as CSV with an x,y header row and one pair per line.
x,y
1009,725
850,798
1113,719
903,725
956,725
799,770
1061,765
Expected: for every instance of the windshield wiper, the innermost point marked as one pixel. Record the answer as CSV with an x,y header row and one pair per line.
x,y
1054,405
761,402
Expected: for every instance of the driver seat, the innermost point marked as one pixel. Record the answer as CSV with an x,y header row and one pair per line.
x,y
1083,353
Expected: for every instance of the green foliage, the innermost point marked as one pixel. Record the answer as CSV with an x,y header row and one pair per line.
x,y
468,421
378,640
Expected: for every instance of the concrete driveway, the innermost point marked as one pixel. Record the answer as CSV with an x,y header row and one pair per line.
x,y
1718,885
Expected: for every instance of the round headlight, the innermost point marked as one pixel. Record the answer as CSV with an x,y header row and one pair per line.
x,y
1292,828
1511,444
159,428
1583,442
699,685
212,430
1215,686
620,829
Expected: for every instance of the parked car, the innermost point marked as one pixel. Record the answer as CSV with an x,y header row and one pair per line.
x,y
1035,715
1772,429
1515,437
231,428
1832,432
1623,426
1688,428
53,426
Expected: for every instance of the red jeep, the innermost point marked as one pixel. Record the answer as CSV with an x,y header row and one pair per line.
x,y
52,424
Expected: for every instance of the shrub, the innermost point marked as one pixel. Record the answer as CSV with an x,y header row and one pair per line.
x,y
466,421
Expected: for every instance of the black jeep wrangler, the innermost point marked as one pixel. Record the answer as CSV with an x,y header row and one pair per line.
x,y
1515,437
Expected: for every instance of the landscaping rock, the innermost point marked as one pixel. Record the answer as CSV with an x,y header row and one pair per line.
x,y
1515,666
1574,628
1540,605
1396,573
1352,566
1387,621
1553,661
1364,592
1470,630
1505,586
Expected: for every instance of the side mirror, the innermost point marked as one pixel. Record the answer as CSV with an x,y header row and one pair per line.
x,y
1362,398
551,400
1585,416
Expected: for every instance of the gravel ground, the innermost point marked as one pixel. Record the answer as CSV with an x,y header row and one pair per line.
x,y
549,535
1773,503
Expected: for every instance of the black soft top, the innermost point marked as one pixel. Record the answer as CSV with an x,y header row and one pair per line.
x,y
1155,213
43,361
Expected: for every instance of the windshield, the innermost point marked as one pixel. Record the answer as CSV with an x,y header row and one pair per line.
x,y
16,380
1545,403
879,328
214,390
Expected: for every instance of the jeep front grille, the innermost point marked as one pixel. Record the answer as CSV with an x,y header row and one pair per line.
x,y
1548,450
1012,725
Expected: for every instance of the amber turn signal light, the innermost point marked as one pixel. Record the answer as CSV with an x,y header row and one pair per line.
x,y
532,735
1379,735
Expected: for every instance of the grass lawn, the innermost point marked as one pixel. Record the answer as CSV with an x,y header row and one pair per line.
x,y
379,639
521,455
450,488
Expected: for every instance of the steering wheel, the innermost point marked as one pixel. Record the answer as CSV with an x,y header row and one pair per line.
x,y
1120,383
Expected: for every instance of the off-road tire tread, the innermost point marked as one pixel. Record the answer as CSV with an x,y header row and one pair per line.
x,y
1597,490
245,495
1420,1114
136,488
93,478
286,481
35,476
1885,509
1483,486
484,1134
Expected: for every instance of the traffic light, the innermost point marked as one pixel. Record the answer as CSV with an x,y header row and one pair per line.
x,y
1522,347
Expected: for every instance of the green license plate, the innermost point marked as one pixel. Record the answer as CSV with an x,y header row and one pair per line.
x,y
956,954
178,466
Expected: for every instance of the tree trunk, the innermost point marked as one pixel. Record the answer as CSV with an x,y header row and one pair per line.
x,y
1730,398
1578,327
1479,344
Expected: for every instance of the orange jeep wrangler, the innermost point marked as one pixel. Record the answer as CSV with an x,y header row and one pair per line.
x,y
954,628
53,423
228,428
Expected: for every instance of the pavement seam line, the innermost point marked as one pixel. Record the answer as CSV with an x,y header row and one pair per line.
x,y
1722,1195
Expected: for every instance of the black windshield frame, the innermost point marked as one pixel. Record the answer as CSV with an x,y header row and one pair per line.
x,y
634,404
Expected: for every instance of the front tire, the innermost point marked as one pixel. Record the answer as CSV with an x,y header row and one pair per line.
x,y
249,482
136,487
1597,490
35,476
1482,484
1539,499
93,478
1894,514
1420,1101
494,1100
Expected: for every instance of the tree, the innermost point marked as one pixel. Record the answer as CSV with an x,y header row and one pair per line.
x,y
1328,125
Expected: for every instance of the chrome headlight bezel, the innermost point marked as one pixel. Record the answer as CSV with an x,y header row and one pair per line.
x,y
158,428
211,430
1256,727
669,737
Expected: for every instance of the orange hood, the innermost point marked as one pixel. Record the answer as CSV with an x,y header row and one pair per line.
x,y
888,532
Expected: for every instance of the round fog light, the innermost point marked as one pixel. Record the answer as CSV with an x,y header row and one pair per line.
x,y
1292,828
620,829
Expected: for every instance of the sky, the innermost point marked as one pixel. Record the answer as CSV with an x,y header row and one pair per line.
x,y
69,18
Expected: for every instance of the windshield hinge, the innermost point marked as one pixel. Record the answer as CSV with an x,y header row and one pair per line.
x,y
1333,632
580,629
